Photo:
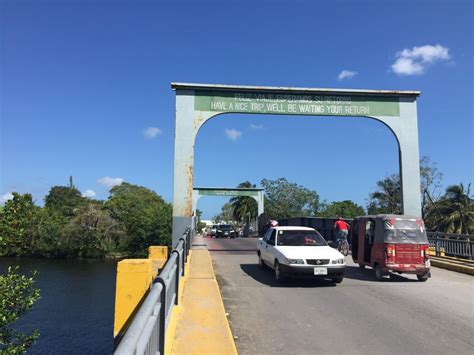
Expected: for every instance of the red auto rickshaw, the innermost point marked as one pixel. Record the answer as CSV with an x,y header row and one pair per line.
x,y
391,244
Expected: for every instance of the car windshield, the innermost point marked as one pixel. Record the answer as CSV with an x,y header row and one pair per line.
x,y
405,231
224,227
300,238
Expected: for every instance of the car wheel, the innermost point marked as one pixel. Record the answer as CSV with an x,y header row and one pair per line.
x,y
337,280
260,262
279,276
423,277
378,273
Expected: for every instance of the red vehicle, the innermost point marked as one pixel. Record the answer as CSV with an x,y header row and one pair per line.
x,y
391,244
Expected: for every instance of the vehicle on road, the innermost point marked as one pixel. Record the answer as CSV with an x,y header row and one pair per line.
x,y
214,230
391,244
225,231
299,252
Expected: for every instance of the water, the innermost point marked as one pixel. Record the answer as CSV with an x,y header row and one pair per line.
x,y
75,314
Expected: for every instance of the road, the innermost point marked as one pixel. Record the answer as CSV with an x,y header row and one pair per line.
x,y
358,316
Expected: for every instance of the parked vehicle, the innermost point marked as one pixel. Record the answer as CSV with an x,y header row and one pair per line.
x,y
299,252
214,231
391,244
225,231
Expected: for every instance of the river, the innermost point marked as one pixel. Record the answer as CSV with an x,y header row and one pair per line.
x,y
75,314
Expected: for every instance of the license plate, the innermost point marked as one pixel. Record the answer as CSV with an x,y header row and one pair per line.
x,y
320,271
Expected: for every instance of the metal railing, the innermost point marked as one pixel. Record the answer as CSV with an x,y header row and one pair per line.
x,y
457,245
146,333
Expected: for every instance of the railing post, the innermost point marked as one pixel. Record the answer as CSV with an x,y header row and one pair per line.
x,y
162,319
177,275
184,252
469,245
437,253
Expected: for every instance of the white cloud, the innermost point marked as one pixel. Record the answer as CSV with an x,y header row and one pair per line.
x,y
6,197
233,134
89,193
256,126
415,61
110,182
346,74
151,132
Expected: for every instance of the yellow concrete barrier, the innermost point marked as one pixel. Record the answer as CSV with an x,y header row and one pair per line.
x,y
134,277
432,251
158,256
133,281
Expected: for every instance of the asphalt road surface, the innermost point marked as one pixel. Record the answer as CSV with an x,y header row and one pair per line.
x,y
358,316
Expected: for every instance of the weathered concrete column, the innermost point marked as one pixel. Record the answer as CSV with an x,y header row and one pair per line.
x,y
183,163
409,157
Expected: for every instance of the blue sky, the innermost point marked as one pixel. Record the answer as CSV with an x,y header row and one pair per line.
x,y
85,91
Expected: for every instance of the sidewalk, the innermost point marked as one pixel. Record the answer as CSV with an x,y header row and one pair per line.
x,y
199,324
454,264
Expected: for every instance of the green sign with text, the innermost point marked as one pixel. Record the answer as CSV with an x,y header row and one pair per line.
x,y
227,193
296,103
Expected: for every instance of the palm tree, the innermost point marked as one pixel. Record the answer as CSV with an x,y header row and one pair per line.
x,y
455,211
244,207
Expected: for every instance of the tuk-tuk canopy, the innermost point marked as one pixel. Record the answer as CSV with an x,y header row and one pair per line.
x,y
392,228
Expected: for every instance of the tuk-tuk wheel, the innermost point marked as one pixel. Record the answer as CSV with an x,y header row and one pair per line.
x,y
378,273
423,277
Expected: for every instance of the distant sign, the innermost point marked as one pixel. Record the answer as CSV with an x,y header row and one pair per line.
x,y
296,103
219,192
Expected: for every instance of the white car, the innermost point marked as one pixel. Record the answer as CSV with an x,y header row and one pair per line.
x,y
299,252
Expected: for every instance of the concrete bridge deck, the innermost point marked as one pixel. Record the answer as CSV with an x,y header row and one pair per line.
x,y
358,316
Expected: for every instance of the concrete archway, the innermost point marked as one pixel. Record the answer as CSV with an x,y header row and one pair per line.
x,y
197,103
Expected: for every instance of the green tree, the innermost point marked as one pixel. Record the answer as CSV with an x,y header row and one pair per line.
x,y
17,223
226,215
92,233
346,209
17,296
285,200
65,199
147,218
454,212
48,234
244,207
430,180
387,198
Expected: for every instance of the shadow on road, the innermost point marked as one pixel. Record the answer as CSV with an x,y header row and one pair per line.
x,y
367,274
266,277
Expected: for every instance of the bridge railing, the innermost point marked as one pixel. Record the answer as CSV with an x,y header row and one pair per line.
x,y
457,245
146,333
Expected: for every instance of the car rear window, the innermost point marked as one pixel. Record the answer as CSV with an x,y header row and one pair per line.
x,y
224,226
300,238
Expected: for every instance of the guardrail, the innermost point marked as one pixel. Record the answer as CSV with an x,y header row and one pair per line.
x,y
146,333
458,245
